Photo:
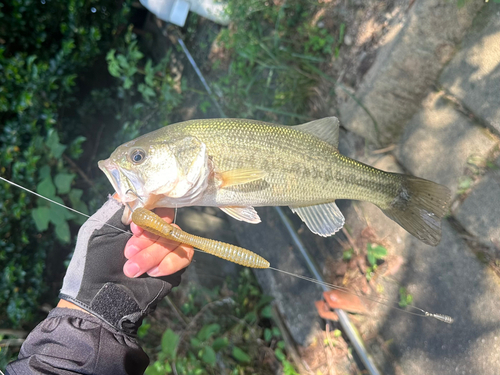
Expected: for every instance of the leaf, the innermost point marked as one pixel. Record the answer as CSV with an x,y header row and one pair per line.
x,y
250,317
276,332
378,251
62,232
195,343
149,77
169,342
44,172
143,329
267,312
127,83
59,214
122,60
146,91
220,343
371,259
268,335
41,217
63,182
156,368
82,207
53,144
279,354
74,196
208,355
240,355
46,188
207,331
347,254
75,148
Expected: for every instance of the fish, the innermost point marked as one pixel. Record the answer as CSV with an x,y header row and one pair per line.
x,y
240,164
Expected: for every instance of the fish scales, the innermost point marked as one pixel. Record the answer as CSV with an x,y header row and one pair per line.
x,y
301,169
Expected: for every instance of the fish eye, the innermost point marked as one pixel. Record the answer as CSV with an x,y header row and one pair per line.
x,y
137,156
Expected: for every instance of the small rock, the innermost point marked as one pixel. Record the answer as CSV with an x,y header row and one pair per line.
x,y
339,299
348,40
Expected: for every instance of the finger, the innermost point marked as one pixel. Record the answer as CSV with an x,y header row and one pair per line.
x,y
141,241
166,214
175,261
146,259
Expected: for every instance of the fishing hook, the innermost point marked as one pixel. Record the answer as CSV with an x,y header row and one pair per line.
x,y
136,195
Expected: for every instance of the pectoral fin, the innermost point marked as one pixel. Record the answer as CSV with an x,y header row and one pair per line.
x,y
322,219
239,176
247,214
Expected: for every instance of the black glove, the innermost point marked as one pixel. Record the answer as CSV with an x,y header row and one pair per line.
x,y
95,280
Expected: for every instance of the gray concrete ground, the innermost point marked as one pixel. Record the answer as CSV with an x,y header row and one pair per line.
x,y
445,141
408,62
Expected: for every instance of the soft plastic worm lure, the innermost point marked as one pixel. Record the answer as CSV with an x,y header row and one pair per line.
x,y
153,223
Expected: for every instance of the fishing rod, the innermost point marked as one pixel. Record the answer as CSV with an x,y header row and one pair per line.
x,y
158,226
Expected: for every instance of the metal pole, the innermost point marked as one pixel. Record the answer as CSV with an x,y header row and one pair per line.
x,y
349,328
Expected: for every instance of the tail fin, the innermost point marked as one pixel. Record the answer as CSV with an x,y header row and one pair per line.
x,y
419,207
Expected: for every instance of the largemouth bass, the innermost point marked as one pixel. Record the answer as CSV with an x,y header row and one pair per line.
x,y
238,164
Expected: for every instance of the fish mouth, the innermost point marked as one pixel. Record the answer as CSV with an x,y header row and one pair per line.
x,y
118,180
112,172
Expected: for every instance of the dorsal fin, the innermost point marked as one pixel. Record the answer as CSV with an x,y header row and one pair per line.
x,y
326,129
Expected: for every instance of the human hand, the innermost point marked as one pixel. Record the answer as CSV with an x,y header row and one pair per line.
x,y
95,279
153,254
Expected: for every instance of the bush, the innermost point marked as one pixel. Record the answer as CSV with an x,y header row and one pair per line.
x,y
76,74
274,54
45,48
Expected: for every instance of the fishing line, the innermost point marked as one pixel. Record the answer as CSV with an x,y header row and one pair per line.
x,y
59,204
381,300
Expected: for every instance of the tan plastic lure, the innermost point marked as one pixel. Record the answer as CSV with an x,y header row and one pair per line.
x,y
153,223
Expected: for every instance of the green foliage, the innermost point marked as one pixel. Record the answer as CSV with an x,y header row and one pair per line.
x,y
240,355
347,254
405,298
147,90
373,254
51,53
45,49
275,54
229,338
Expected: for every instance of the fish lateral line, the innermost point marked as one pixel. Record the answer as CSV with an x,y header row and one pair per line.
x,y
420,312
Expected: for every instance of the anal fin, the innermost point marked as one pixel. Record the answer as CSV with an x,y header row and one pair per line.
x,y
247,214
322,219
